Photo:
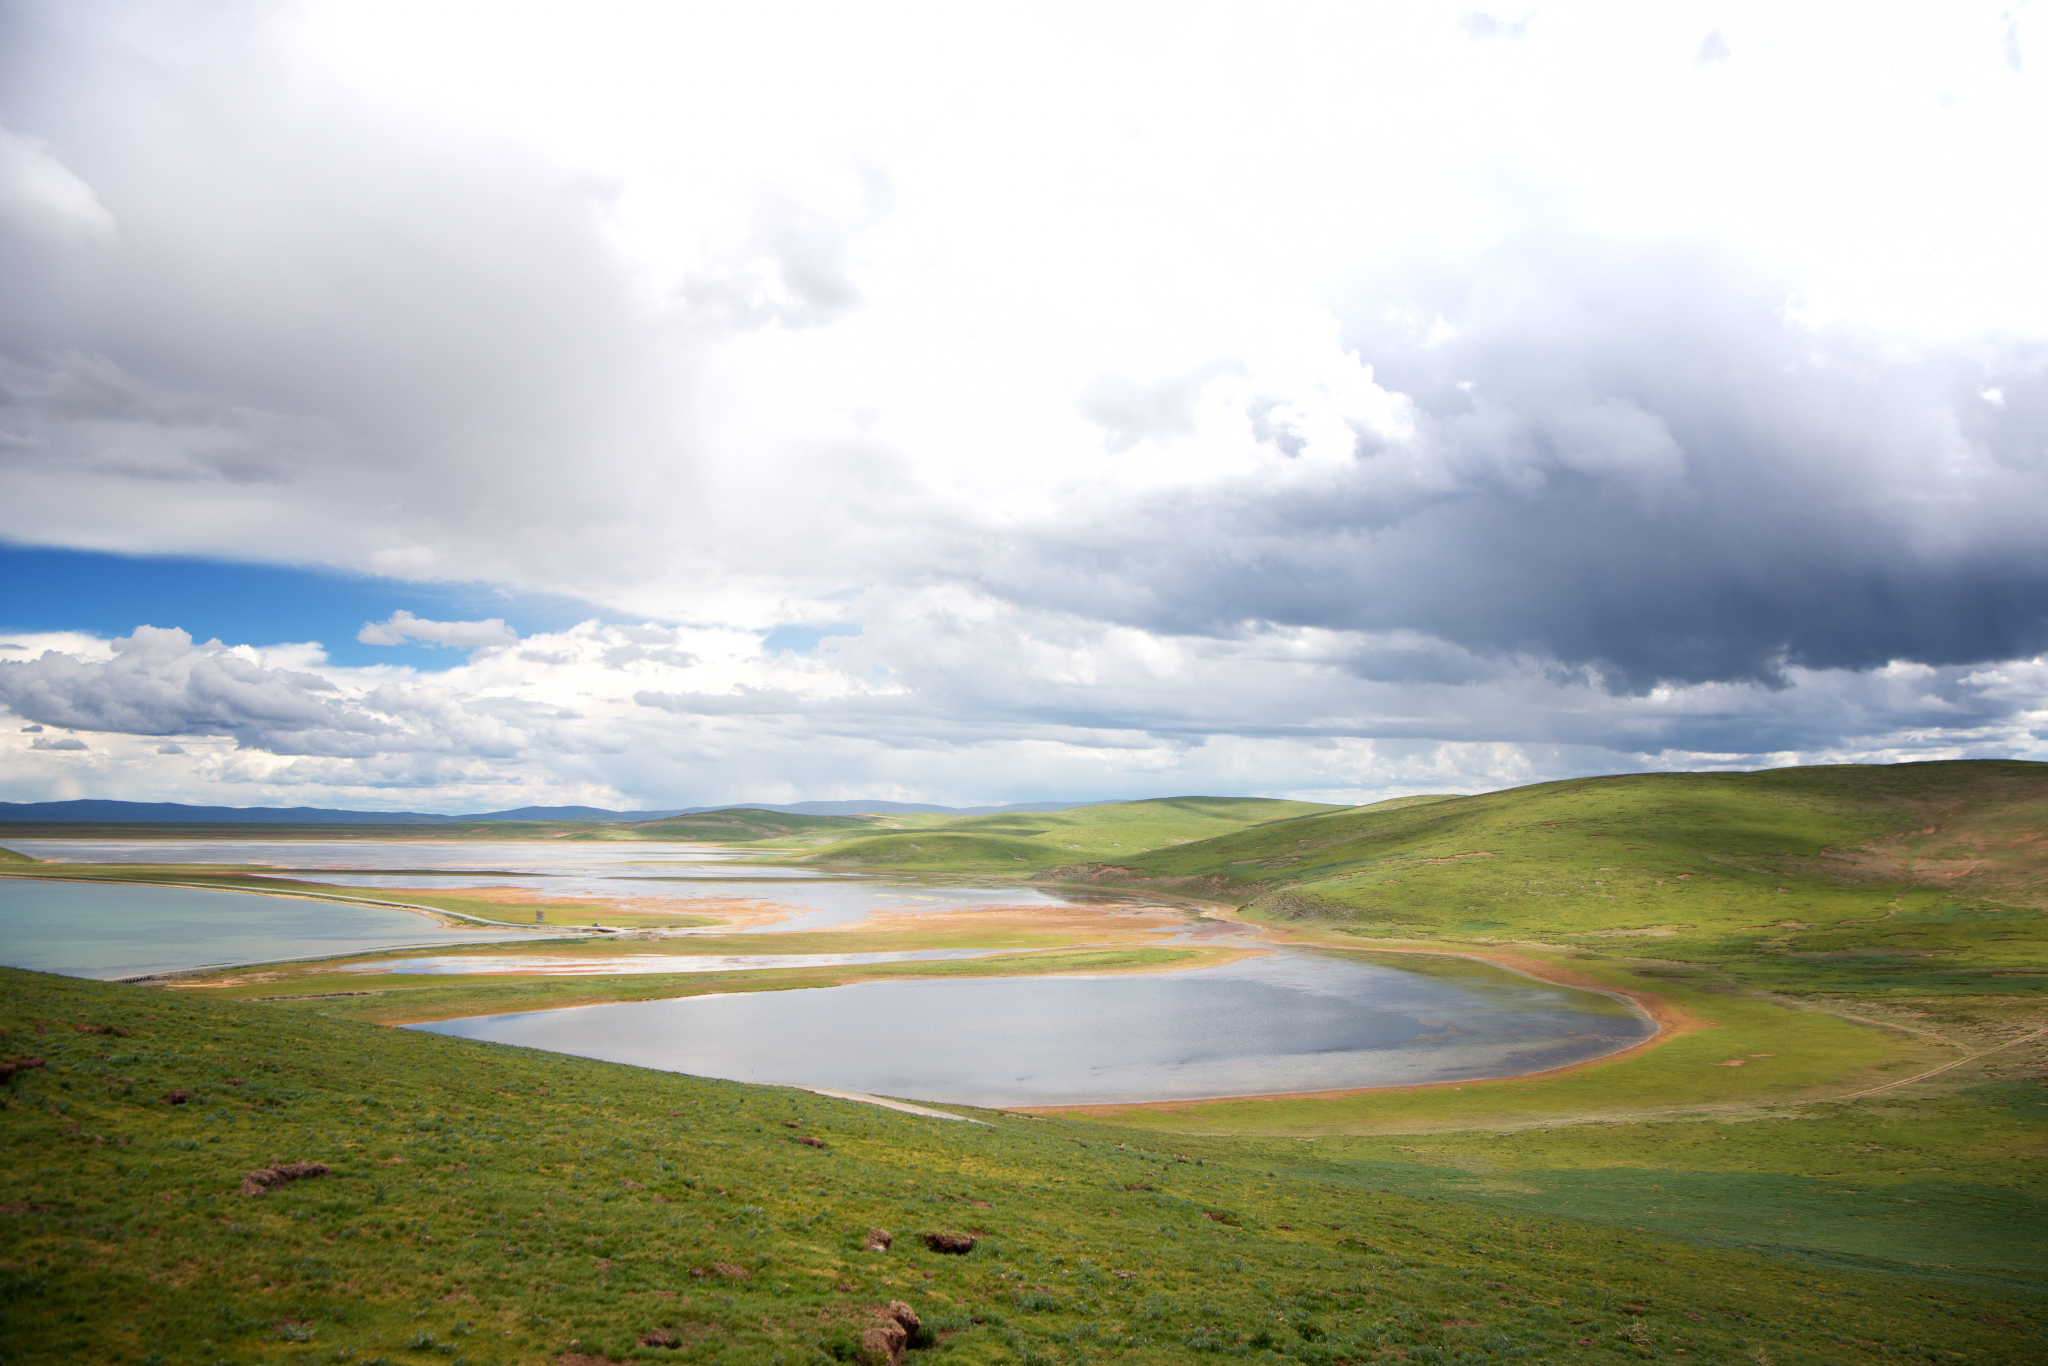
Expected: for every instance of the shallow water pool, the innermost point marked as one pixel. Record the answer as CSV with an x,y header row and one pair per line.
x,y
1284,1021
116,930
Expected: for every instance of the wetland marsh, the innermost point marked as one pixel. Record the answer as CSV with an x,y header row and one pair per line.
x,y
1226,1017
1282,1021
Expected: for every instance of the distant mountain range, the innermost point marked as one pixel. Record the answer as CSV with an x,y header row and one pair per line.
x,y
177,813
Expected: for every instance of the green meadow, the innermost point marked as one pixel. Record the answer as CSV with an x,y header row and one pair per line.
x,y
1833,1153
1026,843
484,1204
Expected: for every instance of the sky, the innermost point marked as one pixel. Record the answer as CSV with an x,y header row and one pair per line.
x,y
452,407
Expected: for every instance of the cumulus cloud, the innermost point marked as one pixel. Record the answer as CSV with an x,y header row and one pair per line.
x,y
41,196
1055,705
64,743
157,682
1171,427
1630,463
403,626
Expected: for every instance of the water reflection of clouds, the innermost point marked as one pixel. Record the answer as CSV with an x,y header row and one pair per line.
x,y
107,931
1332,975
1283,1021
635,872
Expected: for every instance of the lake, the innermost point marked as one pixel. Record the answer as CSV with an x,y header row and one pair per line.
x,y
1289,1020
662,875
111,931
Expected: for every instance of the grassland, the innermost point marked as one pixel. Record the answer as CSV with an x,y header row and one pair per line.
x,y
485,1204
1771,871
1847,1093
744,826
1015,844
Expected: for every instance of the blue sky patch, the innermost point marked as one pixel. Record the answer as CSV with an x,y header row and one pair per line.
x,y
253,604
804,639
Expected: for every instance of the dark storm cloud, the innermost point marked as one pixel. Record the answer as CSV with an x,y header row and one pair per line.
x,y
1631,464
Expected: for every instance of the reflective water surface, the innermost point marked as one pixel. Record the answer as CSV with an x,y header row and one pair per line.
x,y
114,930
1284,1021
1280,1021
639,875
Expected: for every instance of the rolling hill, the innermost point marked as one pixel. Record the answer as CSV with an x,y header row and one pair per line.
x,y
1014,844
1935,874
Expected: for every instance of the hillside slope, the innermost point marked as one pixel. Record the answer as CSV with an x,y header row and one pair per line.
x,y
484,1204
1020,843
738,825
1934,873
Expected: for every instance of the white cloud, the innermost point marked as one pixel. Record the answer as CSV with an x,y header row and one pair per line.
x,y
40,196
1317,400
951,698
402,626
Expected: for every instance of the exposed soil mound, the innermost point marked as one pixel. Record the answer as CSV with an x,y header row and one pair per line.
x,y
266,1179
896,1324
726,1269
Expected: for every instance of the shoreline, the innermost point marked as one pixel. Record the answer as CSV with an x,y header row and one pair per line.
x,y
429,911
1668,1020
1671,1021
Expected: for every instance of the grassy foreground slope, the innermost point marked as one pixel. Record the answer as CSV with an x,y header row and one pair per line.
x,y
493,1205
1014,844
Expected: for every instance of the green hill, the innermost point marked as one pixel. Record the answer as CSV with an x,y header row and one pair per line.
x,y
482,1204
1929,876
740,825
1022,843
